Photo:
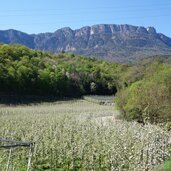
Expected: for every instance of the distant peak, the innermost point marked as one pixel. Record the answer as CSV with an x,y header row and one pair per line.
x,y
112,28
66,28
151,30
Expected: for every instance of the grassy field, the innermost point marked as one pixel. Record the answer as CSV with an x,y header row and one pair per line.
x,y
79,135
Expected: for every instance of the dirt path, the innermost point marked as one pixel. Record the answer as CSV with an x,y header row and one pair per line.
x,y
113,117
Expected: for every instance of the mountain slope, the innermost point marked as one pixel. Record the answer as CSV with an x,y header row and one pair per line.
x,y
122,43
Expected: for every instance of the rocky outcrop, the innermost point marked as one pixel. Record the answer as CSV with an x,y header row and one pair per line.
x,y
122,43
13,36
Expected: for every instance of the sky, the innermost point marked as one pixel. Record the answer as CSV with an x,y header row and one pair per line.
x,y
39,16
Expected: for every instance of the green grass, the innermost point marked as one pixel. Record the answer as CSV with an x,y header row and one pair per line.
x,y
166,166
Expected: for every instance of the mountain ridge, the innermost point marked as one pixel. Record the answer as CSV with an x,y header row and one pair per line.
x,y
121,43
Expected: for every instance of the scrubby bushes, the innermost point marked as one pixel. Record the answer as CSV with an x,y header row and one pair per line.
x,y
148,99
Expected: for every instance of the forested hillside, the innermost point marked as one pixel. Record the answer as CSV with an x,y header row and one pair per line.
x,y
26,71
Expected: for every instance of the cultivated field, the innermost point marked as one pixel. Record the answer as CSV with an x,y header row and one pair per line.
x,y
79,135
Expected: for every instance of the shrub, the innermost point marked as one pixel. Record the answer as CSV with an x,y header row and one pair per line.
x,y
148,100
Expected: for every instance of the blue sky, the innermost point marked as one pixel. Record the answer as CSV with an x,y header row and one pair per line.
x,y
36,16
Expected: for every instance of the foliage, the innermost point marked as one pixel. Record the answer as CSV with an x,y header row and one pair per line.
x,y
165,166
146,96
26,71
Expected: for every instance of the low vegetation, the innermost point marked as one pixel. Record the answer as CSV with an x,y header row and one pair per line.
x,y
73,135
165,166
102,100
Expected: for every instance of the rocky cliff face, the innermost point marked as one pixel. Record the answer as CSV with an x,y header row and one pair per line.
x,y
14,36
122,43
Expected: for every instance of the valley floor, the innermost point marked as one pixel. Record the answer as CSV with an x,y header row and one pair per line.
x,y
78,135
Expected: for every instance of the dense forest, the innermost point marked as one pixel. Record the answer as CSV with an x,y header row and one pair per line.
x,y
26,71
143,90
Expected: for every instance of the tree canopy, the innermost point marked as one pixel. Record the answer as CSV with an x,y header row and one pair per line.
x,y
145,94
26,71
